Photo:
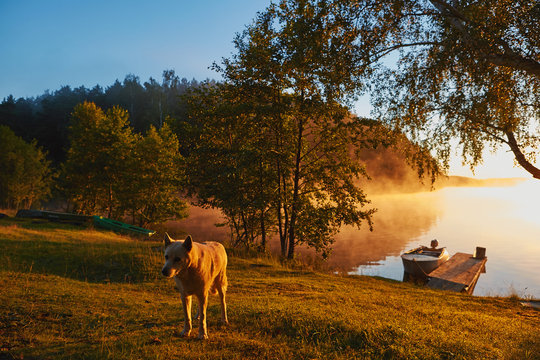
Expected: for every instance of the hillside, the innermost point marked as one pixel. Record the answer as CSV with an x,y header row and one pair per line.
x,y
72,292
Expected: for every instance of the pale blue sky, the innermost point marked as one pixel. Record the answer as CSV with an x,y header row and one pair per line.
x,y
47,44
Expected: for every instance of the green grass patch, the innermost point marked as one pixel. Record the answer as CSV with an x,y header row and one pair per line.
x,y
71,292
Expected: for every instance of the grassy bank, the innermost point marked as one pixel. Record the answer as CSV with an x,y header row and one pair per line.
x,y
68,292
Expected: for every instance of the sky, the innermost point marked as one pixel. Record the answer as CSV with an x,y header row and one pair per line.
x,y
48,44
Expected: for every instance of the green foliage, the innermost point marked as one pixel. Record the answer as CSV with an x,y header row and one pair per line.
x,y
46,117
228,165
111,170
98,160
26,177
153,191
274,144
466,71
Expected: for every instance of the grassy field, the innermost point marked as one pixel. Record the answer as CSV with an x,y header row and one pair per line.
x,y
72,292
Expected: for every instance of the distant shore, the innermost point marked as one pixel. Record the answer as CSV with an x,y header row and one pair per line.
x,y
454,181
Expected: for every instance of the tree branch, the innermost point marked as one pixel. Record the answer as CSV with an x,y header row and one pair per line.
x,y
509,58
515,61
383,52
520,157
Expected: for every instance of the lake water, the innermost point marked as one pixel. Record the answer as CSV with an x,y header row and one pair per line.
x,y
504,220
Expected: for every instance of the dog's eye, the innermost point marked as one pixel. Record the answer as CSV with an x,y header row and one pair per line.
x,y
166,257
176,259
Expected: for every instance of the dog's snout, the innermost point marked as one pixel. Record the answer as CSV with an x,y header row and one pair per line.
x,y
165,271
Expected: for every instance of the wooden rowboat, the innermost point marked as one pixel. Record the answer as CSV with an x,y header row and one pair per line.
x,y
421,261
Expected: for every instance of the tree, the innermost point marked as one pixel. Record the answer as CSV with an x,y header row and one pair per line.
x,y
227,166
158,176
466,70
98,160
26,177
129,95
282,139
111,170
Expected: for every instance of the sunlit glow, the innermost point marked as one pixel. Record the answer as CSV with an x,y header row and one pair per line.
x,y
500,164
505,220
518,202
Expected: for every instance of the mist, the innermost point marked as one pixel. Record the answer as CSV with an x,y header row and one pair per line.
x,y
399,218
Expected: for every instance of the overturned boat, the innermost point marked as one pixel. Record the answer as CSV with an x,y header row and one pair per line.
x,y
421,261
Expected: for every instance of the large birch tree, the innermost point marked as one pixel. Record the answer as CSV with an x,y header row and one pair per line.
x,y
446,71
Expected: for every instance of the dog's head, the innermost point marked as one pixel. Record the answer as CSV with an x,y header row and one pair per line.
x,y
177,255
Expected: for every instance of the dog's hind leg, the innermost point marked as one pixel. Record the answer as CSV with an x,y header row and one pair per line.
x,y
203,302
221,292
186,306
220,284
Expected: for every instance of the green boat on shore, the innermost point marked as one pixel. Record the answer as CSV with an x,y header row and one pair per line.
x,y
118,226
99,221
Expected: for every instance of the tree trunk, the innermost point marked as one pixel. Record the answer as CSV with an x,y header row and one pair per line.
x,y
160,114
286,217
110,201
263,231
520,157
282,234
296,189
263,206
236,227
246,231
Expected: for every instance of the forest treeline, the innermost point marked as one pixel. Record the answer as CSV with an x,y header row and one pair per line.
x,y
204,140
46,117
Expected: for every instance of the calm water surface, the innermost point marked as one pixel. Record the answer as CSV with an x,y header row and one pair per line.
x,y
505,220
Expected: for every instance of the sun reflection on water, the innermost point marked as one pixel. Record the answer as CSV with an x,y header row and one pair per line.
x,y
505,220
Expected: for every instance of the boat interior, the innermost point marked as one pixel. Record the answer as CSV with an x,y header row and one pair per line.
x,y
426,251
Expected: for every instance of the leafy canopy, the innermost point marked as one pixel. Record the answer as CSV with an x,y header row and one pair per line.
x,y
26,177
111,170
274,142
466,70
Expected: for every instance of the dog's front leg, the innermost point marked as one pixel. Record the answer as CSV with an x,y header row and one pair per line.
x,y
203,302
186,306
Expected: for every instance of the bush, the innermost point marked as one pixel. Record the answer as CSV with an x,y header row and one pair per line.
x,y
25,177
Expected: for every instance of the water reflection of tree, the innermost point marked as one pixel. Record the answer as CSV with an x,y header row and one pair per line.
x,y
400,219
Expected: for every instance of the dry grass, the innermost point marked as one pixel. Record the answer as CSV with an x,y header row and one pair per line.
x,y
71,292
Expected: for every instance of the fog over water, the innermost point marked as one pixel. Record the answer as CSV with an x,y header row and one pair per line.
x,y
503,219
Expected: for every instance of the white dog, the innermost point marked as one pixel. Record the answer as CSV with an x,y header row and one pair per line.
x,y
197,268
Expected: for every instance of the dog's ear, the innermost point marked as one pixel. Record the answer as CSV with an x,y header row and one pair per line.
x,y
168,240
188,243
